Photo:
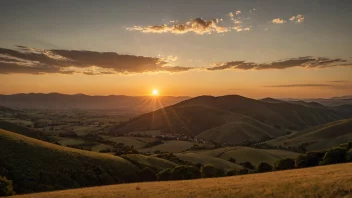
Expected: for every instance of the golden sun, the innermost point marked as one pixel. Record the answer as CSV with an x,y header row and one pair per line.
x,y
155,92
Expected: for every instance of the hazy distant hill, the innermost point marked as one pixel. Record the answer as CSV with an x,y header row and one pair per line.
x,y
199,114
334,101
81,101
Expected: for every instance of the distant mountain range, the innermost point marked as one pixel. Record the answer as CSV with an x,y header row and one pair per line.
x,y
334,101
136,104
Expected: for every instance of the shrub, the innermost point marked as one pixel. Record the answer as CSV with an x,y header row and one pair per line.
x,y
164,175
335,155
147,174
231,173
242,171
309,159
264,167
220,172
349,155
285,164
185,172
247,165
6,188
233,160
208,170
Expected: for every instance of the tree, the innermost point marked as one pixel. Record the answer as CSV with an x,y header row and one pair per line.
x,y
164,175
335,155
185,172
264,167
147,174
6,188
231,173
285,164
349,155
208,171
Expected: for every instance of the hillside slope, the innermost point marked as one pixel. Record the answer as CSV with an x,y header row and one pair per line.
x,y
196,115
34,165
320,137
323,181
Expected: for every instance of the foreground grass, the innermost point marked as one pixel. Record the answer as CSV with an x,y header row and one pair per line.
x,y
324,181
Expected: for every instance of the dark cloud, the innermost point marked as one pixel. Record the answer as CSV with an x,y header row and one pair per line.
x,y
304,62
37,61
338,81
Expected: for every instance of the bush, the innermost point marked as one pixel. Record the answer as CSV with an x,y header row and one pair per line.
x,y
6,188
242,171
247,165
147,174
233,160
231,173
164,175
335,155
285,164
349,155
264,167
309,159
208,171
220,172
185,172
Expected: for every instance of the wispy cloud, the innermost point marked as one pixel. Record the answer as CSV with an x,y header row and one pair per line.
x,y
338,81
307,62
37,61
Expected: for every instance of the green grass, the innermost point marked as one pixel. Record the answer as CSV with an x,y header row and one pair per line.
x,y
35,165
323,182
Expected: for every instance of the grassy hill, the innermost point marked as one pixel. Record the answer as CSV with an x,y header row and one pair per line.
x,y
16,128
196,115
172,146
148,161
254,156
239,132
320,137
35,165
323,181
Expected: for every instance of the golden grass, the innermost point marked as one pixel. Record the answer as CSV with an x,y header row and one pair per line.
x,y
324,181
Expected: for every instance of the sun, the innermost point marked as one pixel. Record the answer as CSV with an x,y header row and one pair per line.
x,y
155,92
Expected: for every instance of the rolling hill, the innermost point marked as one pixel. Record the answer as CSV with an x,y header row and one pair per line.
x,y
35,165
197,115
254,156
322,181
320,137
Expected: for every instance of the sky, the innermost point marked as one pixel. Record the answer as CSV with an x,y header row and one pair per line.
x,y
254,48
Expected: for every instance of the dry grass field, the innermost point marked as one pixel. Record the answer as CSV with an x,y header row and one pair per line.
x,y
323,182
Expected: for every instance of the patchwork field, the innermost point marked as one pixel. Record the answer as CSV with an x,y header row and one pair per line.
x,y
324,182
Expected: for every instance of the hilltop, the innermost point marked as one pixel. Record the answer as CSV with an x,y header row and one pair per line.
x,y
325,182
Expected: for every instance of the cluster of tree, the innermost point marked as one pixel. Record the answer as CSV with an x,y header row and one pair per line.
x,y
6,187
153,143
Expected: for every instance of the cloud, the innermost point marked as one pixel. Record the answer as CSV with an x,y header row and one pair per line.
x,y
37,61
301,85
338,81
197,25
297,19
238,12
307,62
278,21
